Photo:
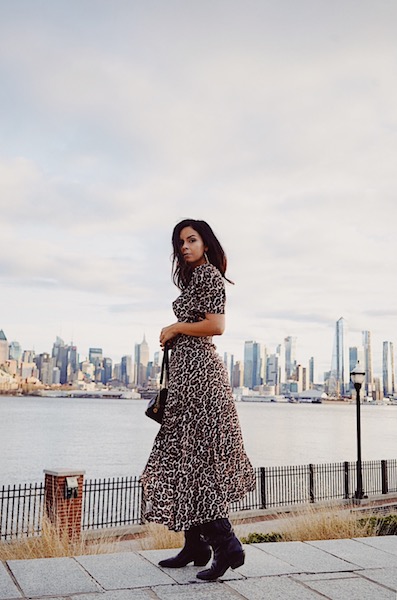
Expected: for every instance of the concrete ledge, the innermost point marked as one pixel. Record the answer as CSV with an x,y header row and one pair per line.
x,y
64,472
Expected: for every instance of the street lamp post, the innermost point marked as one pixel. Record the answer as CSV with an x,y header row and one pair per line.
x,y
358,376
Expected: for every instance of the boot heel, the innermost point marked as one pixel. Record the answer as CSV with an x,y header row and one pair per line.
x,y
237,560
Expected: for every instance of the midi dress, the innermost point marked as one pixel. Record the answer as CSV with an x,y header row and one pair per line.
x,y
198,464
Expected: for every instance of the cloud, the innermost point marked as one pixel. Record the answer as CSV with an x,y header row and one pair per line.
x,y
276,124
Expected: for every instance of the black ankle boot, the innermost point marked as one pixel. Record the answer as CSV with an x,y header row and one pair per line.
x,y
195,550
228,551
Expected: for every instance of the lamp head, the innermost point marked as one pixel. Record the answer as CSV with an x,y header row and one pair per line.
x,y
358,374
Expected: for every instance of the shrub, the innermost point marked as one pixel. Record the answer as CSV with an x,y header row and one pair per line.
x,y
381,525
259,538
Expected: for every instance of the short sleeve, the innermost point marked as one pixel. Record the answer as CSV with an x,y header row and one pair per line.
x,y
210,289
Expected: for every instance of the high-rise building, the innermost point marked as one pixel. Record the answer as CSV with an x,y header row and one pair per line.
x,y
238,375
301,378
126,369
141,362
273,371
228,361
66,360
45,365
290,357
15,351
95,355
311,372
88,370
388,369
28,356
252,364
72,364
367,362
353,357
3,348
107,370
338,383
356,355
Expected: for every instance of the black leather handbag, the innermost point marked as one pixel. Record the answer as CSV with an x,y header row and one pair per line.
x,y
155,408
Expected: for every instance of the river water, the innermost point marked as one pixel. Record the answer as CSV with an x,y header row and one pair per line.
x,y
111,438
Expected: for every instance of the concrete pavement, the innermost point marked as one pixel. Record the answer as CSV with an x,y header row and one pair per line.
x,y
357,569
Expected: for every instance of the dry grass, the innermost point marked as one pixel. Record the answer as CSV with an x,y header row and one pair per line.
x,y
51,543
326,523
159,537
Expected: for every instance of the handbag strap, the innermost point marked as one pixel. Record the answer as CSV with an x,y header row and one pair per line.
x,y
165,368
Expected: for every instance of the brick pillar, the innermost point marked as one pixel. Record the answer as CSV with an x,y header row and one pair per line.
x,y
65,513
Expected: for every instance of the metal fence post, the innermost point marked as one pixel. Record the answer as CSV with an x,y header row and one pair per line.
x,y
346,473
143,506
385,481
311,483
263,487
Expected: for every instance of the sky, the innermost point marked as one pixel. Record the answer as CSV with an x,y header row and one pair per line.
x,y
274,121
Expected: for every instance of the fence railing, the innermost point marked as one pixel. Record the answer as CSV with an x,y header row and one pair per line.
x,y
118,501
21,510
112,502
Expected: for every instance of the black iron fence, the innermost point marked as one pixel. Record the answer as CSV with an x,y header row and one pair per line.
x,y
112,502
118,501
21,510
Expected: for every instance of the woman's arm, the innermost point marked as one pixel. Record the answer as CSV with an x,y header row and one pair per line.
x,y
212,324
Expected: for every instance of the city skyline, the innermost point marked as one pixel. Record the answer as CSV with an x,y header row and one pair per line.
x,y
339,366
275,124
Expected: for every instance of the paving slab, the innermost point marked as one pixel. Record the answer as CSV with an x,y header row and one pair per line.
x,y
118,595
8,589
51,577
323,576
356,552
386,577
306,558
209,591
274,588
262,564
353,588
185,574
387,543
123,571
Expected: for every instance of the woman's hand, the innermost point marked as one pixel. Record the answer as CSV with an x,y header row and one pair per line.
x,y
167,333
212,324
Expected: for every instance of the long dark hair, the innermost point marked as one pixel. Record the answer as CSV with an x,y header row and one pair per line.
x,y
181,272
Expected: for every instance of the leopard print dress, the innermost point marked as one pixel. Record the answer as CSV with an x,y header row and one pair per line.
x,y
198,464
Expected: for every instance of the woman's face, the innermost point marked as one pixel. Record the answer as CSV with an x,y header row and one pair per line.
x,y
192,247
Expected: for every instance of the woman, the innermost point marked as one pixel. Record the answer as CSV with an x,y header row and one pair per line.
x,y
198,465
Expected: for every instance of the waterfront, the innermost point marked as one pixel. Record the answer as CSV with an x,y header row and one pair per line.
x,y
109,438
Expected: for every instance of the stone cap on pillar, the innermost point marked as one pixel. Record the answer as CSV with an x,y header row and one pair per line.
x,y
64,472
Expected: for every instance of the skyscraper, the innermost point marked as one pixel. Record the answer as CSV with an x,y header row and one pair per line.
x,y
369,376
252,364
228,361
107,369
290,357
273,371
141,362
15,351
339,378
311,372
126,369
95,355
3,348
388,369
